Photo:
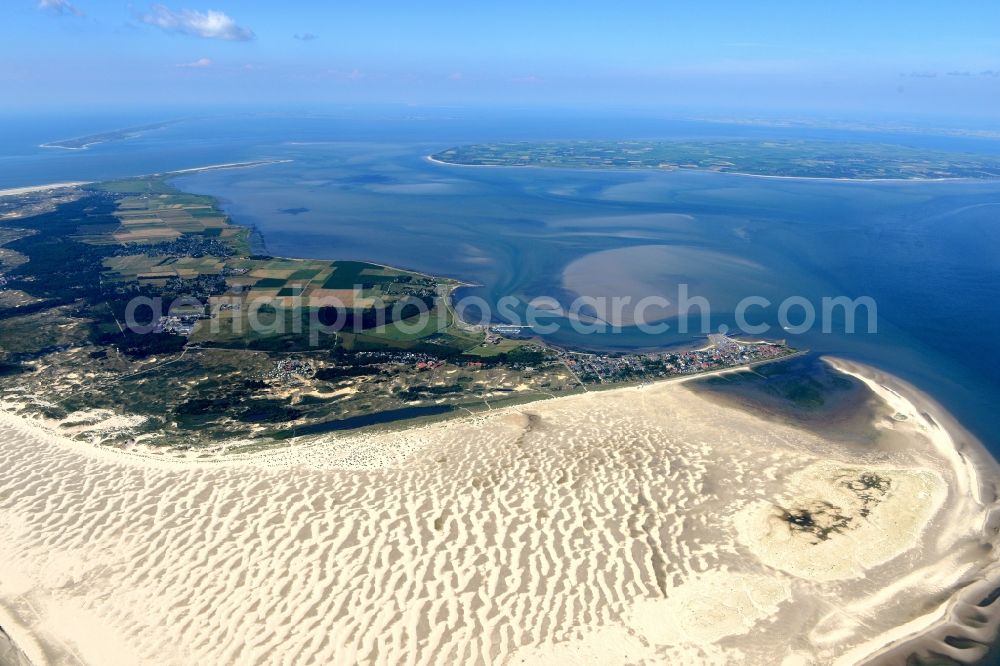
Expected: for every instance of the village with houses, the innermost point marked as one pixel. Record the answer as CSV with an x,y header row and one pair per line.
x,y
721,352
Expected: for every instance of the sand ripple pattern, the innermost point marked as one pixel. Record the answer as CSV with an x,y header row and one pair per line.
x,y
546,534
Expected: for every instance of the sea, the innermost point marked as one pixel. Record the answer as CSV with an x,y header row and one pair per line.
x,y
355,183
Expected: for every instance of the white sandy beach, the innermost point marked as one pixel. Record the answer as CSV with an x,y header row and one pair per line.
x,y
14,191
629,526
224,165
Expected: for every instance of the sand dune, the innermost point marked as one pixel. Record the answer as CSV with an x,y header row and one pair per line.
x,y
604,528
41,188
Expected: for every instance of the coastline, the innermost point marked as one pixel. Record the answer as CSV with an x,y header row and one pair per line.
x,y
217,455
57,147
391,454
978,474
218,167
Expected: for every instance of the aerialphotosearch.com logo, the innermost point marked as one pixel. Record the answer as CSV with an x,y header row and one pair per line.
x,y
316,317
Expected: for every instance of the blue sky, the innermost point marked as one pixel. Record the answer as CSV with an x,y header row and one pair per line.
x,y
840,57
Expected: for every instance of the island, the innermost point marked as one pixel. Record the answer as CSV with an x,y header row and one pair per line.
x,y
784,158
136,315
84,142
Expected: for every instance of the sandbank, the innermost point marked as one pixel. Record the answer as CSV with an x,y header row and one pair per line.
x,y
612,527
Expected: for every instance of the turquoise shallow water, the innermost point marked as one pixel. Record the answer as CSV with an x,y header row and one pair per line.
x,y
927,253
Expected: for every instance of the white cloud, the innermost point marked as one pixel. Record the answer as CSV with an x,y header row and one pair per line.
x,y
210,24
305,36
200,62
342,75
59,7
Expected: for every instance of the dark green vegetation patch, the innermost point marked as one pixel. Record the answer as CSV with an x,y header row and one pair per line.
x,y
347,274
269,283
304,274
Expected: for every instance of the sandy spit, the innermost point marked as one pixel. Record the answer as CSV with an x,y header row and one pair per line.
x,y
14,191
603,528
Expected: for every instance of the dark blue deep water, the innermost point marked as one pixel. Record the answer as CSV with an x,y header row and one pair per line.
x,y
358,187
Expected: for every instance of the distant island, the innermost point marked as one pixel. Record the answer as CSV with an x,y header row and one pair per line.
x,y
885,126
784,159
84,142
